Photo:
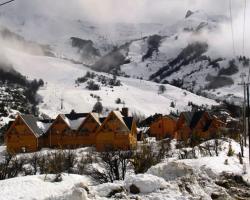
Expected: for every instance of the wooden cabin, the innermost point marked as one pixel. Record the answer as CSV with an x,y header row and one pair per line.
x,y
163,127
24,135
63,131
198,124
116,132
86,133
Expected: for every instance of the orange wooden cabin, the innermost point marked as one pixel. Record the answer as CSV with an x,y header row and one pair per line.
x,y
198,124
73,130
163,127
116,132
28,134
24,134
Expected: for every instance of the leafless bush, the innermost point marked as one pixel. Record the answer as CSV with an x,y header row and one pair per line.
x,y
11,166
145,158
84,161
113,166
54,163
34,162
187,154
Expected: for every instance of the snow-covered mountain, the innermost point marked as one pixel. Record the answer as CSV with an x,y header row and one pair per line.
x,y
60,50
60,75
190,55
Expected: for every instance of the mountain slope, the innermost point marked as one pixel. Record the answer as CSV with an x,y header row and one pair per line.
x,y
60,76
189,57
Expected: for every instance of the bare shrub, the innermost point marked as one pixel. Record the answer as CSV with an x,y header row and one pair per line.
x,y
11,166
113,166
83,163
147,157
57,162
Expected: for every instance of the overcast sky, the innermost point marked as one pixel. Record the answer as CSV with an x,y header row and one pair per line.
x,y
133,11
159,11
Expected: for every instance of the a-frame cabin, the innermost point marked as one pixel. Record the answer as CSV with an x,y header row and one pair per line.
x,y
55,135
24,135
163,127
116,132
86,133
63,133
198,124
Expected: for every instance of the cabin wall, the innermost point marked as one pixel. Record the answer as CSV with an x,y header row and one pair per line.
x,y
163,128
58,134
114,134
183,130
20,138
86,135
109,139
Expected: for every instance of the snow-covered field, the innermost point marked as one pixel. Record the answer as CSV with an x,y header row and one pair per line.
x,y
172,179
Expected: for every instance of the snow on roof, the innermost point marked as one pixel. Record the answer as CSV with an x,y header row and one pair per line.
x,y
120,117
43,126
74,124
31,122
96,117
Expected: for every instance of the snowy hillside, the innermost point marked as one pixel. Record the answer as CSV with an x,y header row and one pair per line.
x,y
59,76
190,57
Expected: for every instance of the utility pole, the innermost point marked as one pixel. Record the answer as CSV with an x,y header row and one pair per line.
x,y
243,83
248,120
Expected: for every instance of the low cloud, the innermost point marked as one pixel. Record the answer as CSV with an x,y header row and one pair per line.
x,y
130,11
147,11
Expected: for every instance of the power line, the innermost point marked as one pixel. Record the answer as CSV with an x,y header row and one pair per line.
x,y
1,4
232,31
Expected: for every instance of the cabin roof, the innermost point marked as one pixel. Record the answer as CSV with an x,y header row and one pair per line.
x,y
148,121
101,119
31,121
192,118
75,116
128,121
44,125
73,119
95,116
171,117
73,122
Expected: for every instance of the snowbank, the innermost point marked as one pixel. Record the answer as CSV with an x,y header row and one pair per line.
x,y
37,187
146,183
105,189
170,171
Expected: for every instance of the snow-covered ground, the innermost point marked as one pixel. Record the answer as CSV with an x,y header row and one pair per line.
x,y
38,187
172,179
